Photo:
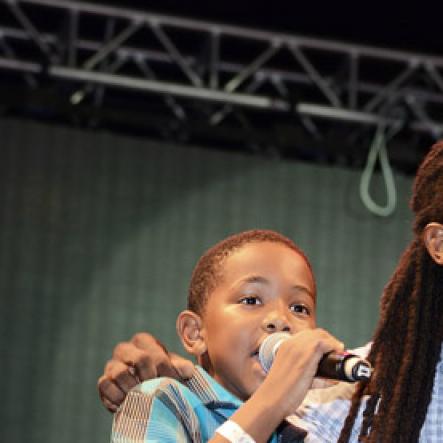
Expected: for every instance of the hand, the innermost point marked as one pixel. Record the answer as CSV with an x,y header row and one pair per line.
x,y
295,366
323,383
143,358
286,384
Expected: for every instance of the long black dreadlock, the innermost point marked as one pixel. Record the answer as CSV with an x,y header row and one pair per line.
x,y
407,341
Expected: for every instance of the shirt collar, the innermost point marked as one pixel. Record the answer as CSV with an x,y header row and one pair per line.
x,y
215,397
212,394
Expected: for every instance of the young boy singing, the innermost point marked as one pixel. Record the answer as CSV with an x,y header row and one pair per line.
x,y
244,288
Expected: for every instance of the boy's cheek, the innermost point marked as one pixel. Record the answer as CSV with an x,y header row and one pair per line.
x,y
309,323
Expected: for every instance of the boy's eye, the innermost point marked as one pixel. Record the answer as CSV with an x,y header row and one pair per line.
x,y
250,300
300,309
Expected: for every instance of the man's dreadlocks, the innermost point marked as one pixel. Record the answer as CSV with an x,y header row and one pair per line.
x,y
407,341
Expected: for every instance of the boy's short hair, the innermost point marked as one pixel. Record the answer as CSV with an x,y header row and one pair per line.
x,y
208,270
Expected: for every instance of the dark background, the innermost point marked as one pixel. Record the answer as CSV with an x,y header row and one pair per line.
x,y
414,26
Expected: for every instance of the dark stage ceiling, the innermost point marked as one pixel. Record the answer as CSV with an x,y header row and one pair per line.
x,y
314,82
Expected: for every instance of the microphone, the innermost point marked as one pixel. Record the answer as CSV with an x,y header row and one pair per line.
x,y
336,365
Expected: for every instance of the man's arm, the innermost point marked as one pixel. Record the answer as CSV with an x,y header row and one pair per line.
x,y
324,411
140,359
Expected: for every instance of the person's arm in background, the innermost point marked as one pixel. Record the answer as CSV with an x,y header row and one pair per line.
x,y
140,359
323,411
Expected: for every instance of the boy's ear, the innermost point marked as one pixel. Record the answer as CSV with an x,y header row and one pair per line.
x,y
190,330
433,239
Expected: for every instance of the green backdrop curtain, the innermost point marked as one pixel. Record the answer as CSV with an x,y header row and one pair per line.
x,y
98,237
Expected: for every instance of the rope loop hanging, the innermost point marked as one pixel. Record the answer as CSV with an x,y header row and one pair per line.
x,y
378,150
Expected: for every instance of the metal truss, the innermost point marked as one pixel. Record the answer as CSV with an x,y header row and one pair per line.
x,y
229,70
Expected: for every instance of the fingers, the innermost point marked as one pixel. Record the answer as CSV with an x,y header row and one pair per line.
x,y
312,343
117,380
324,341
143,358
154,360
147,342
109,406
110,394
123,376
166,364
322,383
184,368
137,363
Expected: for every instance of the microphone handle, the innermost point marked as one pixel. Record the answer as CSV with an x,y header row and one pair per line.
x,y
344,366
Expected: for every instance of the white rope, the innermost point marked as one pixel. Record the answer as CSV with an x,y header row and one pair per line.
x,y
378,149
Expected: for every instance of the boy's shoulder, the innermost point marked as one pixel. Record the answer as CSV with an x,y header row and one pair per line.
x,y
158,384
167,410
197,392
173,393
200,394
161,409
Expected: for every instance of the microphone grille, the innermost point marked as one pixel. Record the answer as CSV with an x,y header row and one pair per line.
x,y
269,348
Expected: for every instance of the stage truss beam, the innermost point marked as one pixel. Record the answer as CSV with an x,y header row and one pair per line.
x,y
98,48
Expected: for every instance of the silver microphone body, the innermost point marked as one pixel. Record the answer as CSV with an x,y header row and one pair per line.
x,y
343,366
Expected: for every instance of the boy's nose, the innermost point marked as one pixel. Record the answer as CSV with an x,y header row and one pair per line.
x,y
276,323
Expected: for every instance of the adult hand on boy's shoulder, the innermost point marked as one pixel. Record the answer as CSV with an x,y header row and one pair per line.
x,y
142,358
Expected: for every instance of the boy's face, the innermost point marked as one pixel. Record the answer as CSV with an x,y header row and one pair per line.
x,y
266,287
